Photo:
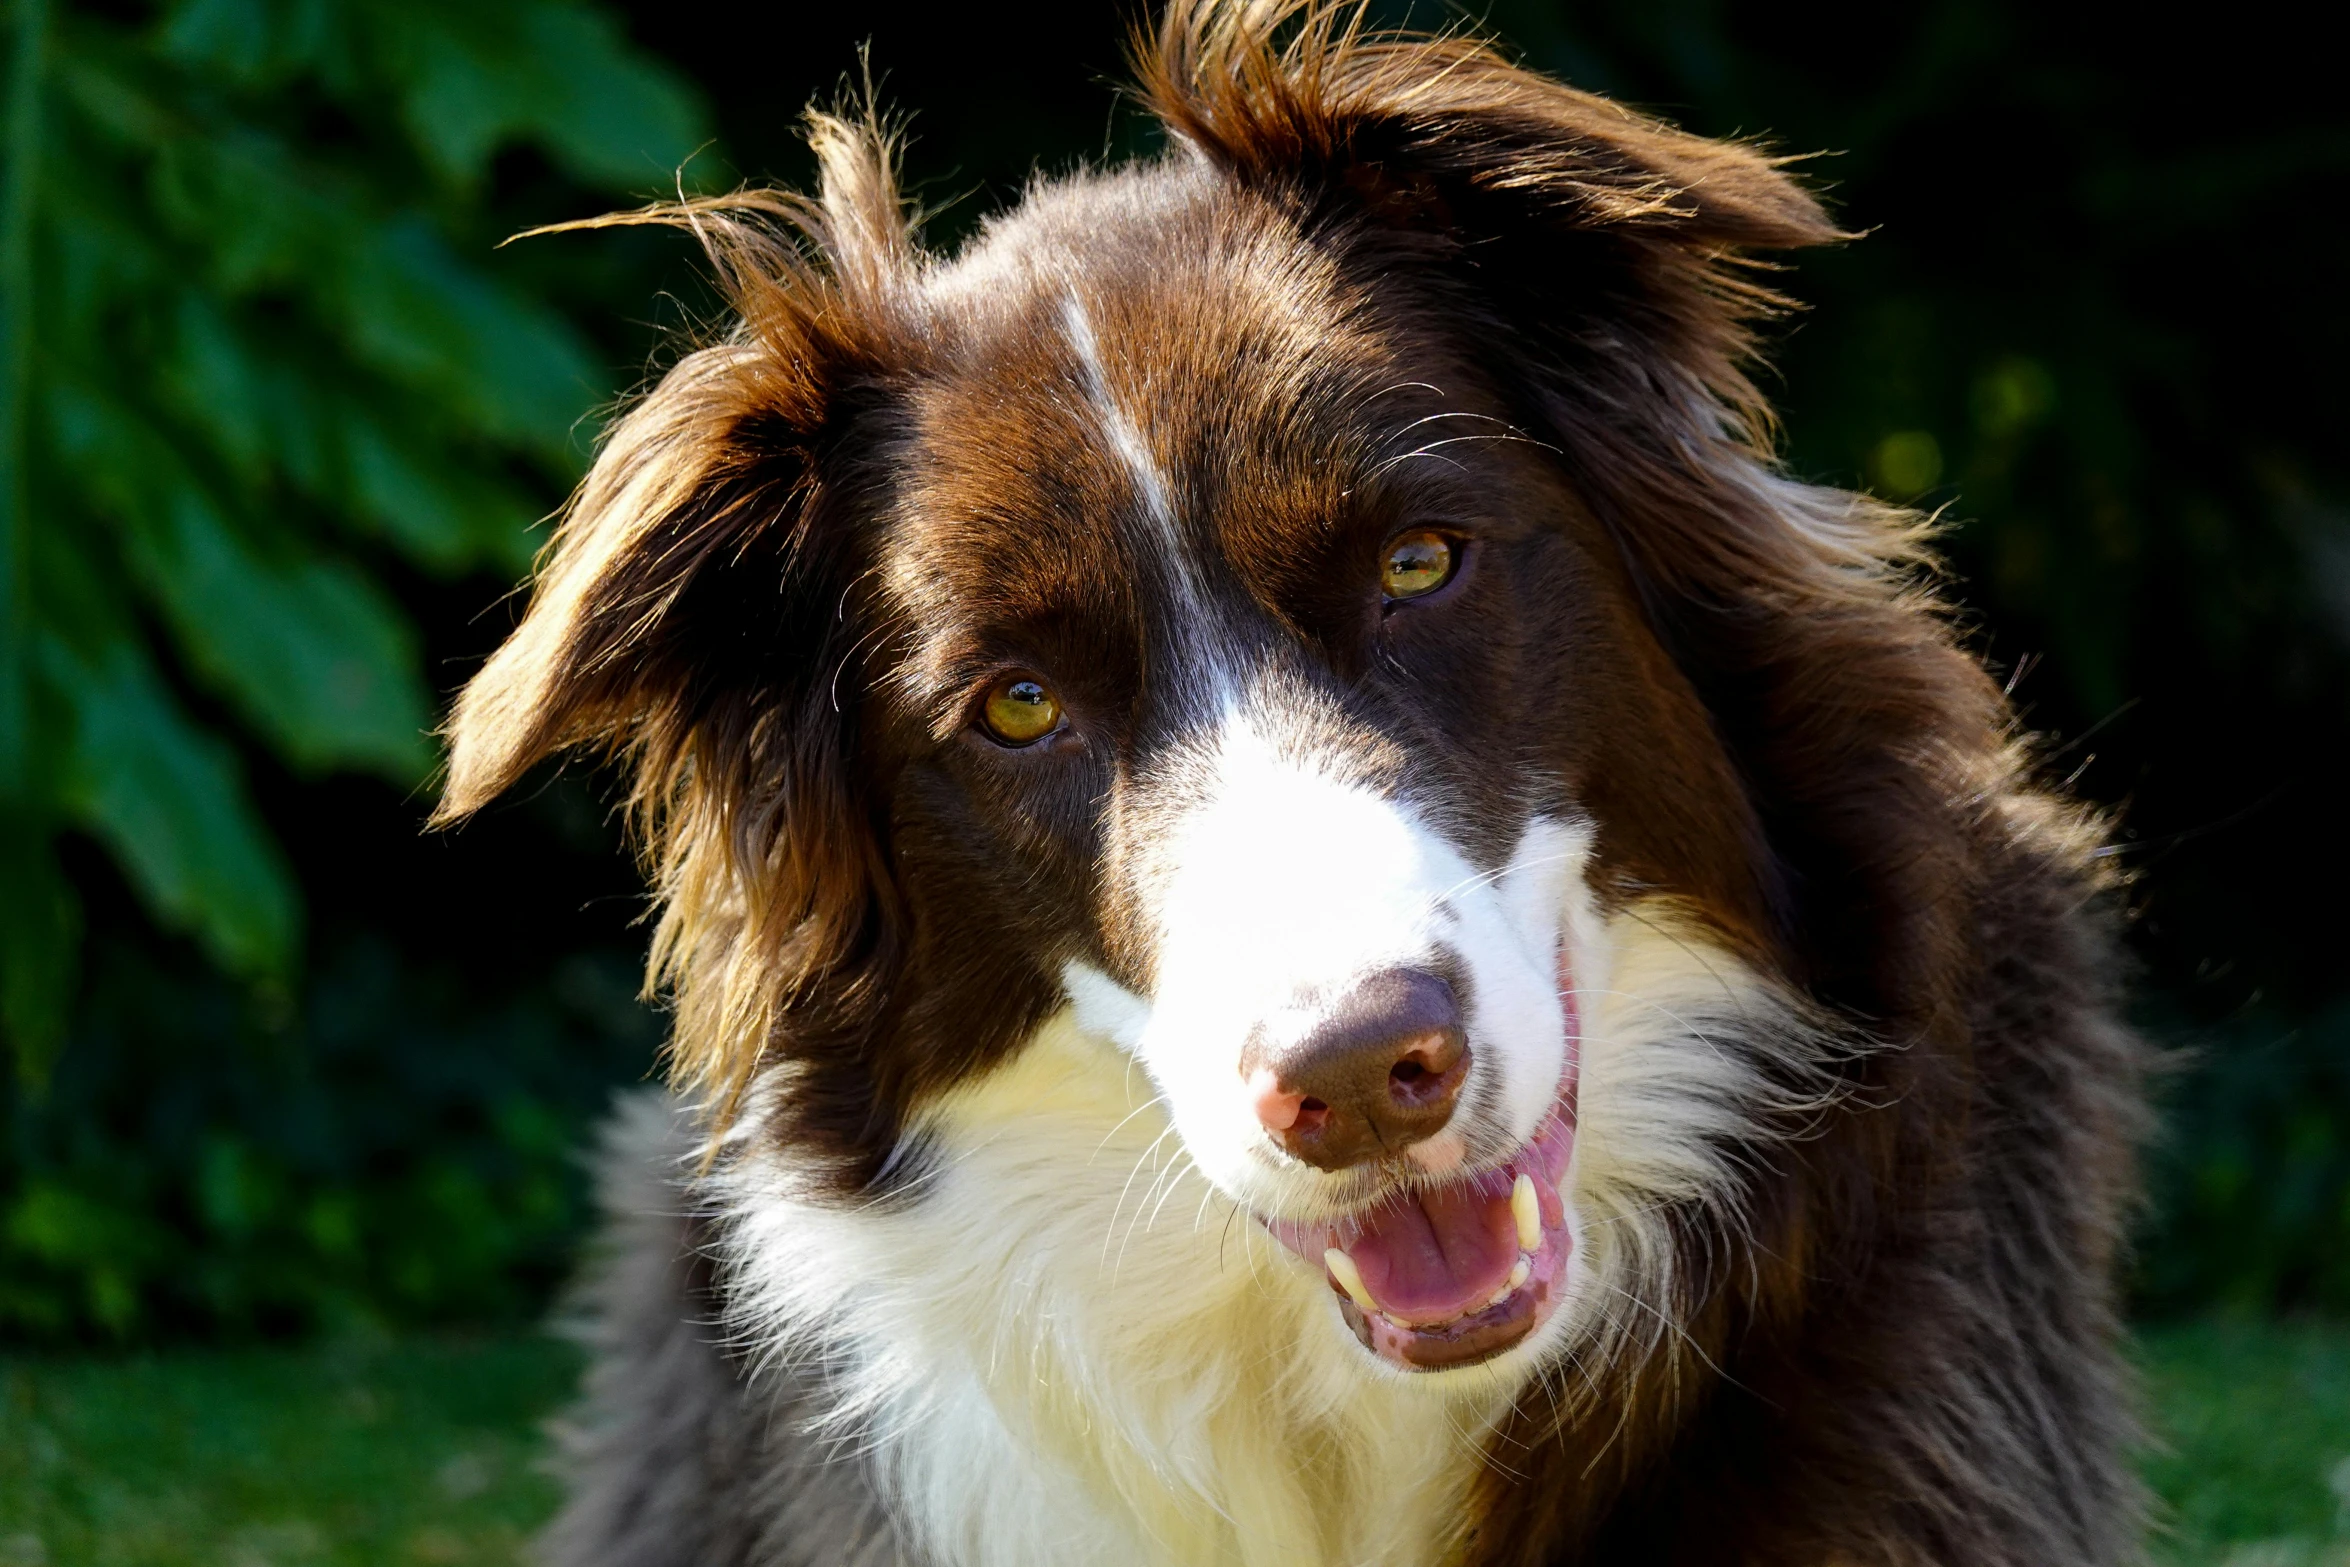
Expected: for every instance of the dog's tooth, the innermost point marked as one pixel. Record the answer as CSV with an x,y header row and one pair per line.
x,y
1521,1273
1350,1279
1526,1208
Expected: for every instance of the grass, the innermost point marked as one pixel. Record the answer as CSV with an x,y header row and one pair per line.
x,y
2255,1424
405,1454
421,1453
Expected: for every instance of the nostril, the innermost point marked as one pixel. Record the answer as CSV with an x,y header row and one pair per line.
x,y
1414,1083
1276,1107
1410,1084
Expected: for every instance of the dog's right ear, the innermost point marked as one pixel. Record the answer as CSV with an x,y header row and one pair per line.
x,y
691,616
705,478
712,478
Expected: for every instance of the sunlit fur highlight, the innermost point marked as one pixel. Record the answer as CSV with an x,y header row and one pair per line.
x,y
756,906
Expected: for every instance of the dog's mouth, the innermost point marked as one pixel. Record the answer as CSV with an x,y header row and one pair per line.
x,y
1449,1275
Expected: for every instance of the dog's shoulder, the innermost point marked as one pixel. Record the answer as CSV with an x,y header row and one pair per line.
x,y
681,1453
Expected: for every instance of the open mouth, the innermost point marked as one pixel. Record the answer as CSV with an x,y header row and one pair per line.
x,y
1452,1274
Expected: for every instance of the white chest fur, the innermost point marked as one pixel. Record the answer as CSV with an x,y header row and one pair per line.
x,y
1066,1347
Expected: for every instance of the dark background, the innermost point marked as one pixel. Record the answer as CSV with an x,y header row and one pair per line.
x,y
2095,321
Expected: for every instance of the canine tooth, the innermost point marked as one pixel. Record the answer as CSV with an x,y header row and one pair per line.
x,y
1521,1273
1350,1278
1526,1208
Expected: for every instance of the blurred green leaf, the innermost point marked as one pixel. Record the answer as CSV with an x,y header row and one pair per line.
x,y
442,519
251,42
320,660
559,75
316,655
169,800
509,367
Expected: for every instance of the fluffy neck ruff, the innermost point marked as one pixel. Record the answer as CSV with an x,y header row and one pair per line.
x,y
1062,1345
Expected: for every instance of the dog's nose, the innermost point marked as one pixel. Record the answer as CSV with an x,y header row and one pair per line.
x,y
1377,1075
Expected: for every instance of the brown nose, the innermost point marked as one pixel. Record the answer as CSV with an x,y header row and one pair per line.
x,y
1379,1074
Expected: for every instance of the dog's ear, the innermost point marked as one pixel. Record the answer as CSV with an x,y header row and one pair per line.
x,y
691,617
1601,259
1613,236
1599,264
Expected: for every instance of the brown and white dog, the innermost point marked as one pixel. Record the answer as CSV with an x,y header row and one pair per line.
x,y
1314,917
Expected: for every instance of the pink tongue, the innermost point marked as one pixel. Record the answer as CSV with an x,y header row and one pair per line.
x,y
1440,1256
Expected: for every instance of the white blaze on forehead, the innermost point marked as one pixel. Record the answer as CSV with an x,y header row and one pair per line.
x,y
1125,439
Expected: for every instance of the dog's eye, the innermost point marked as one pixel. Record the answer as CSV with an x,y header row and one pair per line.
x,y
1020,711
1418,562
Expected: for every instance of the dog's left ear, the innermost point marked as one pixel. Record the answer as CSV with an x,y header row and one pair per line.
x,y
1614,236
1601,262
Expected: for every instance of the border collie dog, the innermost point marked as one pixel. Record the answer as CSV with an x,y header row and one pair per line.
x,y
1313,916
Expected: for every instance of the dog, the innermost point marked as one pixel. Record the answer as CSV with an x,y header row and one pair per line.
x,y
1313,915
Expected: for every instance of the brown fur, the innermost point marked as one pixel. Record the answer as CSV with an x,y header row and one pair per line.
x,y
779,586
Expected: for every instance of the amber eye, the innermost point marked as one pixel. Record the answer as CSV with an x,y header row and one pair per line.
x,y
1417,562
1021,712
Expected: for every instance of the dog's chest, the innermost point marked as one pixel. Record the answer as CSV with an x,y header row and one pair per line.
x,y
995,1476
1062,1349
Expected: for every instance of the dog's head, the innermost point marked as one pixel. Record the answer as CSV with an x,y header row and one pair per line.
x,y
1281,600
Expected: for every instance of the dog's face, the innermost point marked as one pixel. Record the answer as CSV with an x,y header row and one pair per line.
x,y
1243,601
1256,681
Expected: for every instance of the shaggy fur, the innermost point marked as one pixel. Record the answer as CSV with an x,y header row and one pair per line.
x,y
682,1462
968,1246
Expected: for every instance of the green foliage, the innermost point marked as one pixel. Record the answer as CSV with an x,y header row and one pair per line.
x,y
258,351
388,1148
